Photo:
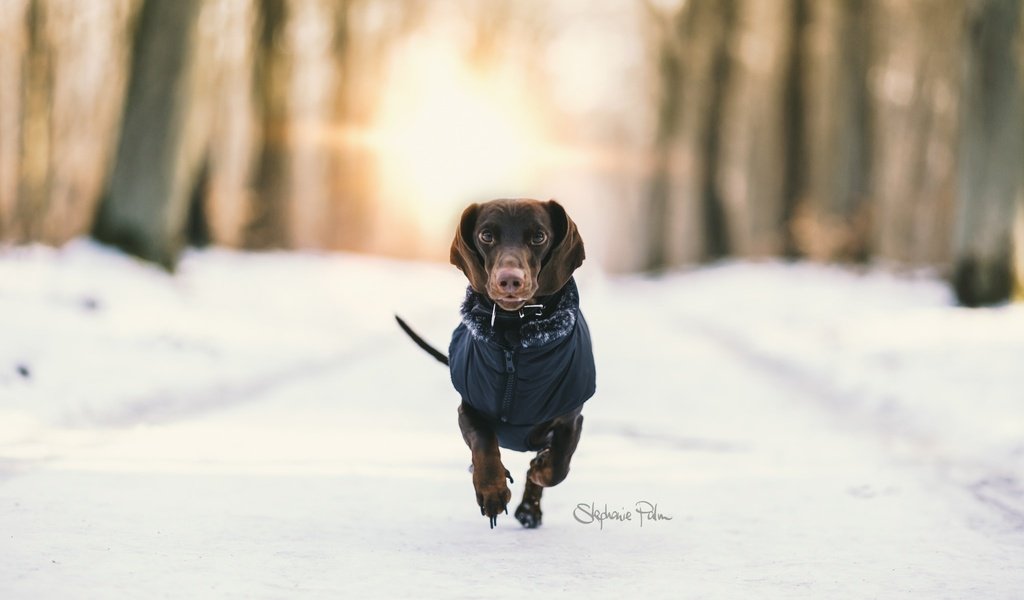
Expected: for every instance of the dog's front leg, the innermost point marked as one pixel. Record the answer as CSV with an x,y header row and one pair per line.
x,y
492,494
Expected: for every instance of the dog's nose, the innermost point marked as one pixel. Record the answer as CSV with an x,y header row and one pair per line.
x,y
510,281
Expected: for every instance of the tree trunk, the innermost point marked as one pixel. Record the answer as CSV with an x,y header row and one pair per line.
x,y
228,39
36,128
684,192
795,160
915,84
351,184
146,209
670,84
90,45
268,227
1018,231
312,84
831,217
717,242
992,143
12,52
63,70
752,172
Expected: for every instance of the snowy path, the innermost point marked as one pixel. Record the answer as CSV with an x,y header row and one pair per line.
x,y
349,480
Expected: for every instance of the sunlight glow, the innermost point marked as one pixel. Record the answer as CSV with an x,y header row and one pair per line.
x,y
448,134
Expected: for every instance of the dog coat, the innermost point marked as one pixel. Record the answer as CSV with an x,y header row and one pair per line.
x,y
516,382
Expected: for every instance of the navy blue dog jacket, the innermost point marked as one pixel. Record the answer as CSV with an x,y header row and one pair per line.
x,y
544,369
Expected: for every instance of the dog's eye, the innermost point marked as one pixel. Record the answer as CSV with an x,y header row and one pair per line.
x,y
486,236
539,238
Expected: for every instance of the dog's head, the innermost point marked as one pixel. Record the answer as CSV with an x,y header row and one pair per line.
x,y
515,251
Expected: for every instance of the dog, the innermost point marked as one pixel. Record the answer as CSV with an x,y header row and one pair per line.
x,y
521,358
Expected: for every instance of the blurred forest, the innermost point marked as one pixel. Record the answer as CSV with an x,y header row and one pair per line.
x,y
676,131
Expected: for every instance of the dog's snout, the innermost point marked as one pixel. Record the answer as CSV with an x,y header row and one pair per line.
x,y
511,281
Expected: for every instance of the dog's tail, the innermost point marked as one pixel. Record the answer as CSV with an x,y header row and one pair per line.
x,y
421,342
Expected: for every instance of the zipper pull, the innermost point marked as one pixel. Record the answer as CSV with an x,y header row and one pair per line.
x,y
510,367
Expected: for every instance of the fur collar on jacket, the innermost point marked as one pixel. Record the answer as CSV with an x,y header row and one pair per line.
x,y
533,333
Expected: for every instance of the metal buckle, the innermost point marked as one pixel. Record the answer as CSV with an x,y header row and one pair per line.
x,y
539,307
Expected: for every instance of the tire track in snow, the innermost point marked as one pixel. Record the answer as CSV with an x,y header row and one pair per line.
x,y
170,405
48,442
988,484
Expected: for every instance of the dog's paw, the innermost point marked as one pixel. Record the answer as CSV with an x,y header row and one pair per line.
x,y
492,493
541,470
529,514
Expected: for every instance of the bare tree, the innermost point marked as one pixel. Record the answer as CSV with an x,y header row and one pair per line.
x,y
752,168
687,222
669,62
914,80
227,43
832,190
36,127
146,210
992,143
267,227
12,44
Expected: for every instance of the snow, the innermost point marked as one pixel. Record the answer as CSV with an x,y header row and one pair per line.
x,y
256,426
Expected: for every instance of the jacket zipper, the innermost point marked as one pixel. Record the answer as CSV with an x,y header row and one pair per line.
x,y
510,381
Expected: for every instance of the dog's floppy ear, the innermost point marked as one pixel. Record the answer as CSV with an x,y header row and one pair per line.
x,y
566,254
464,254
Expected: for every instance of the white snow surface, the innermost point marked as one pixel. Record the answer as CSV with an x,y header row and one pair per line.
x,y
256,426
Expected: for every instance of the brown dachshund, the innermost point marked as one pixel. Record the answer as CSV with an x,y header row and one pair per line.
x,y
521,357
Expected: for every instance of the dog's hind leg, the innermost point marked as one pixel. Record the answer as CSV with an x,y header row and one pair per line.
x,y
550,466
528,512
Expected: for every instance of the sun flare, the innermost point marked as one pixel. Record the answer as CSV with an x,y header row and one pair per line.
x,y
448,134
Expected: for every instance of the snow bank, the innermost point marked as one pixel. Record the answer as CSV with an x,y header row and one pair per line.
x,y
93,337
